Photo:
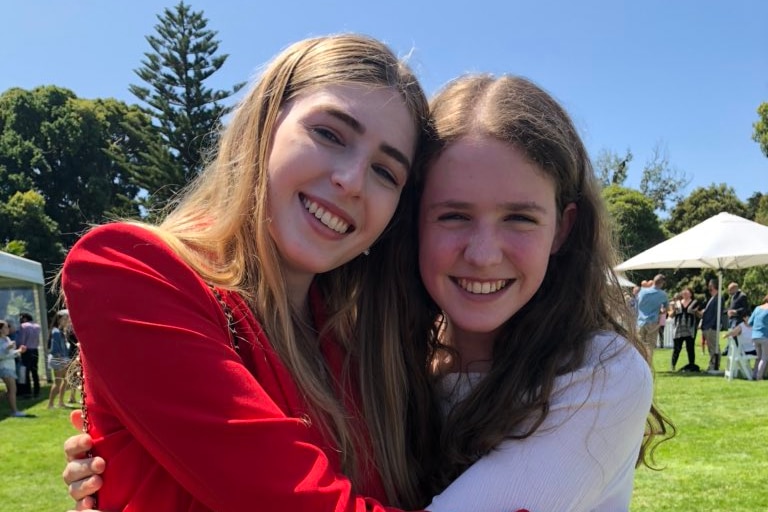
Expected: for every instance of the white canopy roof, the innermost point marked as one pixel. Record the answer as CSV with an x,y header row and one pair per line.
x,y
18,271
720,242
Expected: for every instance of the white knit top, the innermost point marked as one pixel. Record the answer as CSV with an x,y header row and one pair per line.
x,y
583,456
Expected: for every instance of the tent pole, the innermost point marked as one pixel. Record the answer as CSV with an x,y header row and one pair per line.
x,y
719,302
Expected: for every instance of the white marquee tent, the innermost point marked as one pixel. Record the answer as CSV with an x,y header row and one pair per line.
x,y
22,285
723,241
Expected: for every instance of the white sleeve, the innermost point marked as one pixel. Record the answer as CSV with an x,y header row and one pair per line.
x,y
582,458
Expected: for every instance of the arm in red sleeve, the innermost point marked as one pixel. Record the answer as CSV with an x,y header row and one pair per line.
x,y
180,419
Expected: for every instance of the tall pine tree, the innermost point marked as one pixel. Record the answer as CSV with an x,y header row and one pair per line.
x,y
185,112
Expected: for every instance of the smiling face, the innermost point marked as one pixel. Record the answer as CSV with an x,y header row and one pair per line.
x,y
340,157
488,223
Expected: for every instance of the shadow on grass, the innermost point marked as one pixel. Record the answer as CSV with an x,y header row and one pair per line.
x,y
22,404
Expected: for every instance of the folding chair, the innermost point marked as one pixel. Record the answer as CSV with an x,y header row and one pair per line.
x,y
738,361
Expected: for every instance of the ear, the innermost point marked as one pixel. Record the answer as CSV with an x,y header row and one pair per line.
x,y
567,220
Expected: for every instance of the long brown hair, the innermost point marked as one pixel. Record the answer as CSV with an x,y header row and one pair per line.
x,y
514,395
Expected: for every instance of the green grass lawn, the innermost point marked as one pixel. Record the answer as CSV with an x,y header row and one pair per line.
x,y
31,457
719,459
717,462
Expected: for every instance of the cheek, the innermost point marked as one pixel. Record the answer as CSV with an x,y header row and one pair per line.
x,y
436,252
534,254
382,209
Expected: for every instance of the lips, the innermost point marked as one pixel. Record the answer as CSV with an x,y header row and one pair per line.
x,y
328,219
485,287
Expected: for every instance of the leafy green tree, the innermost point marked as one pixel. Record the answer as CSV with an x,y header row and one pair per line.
x,y
611,168
755,284
661,182
757,208
753,203
184,110
760,134
634,220
27,231
703,203
57,145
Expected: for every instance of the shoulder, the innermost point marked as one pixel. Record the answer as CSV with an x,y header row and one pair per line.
x,y
116,236
608,345
116,247
131,259
612,361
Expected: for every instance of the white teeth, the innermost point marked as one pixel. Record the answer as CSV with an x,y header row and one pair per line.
x,y
482,288
327,218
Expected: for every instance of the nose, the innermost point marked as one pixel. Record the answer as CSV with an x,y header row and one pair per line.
x,y
483,248
349,176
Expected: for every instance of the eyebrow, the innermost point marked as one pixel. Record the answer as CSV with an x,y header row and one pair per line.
x,y
360,129
509,206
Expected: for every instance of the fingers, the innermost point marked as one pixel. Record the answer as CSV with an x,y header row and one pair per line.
x,y
81,491
84,505
76,418
80,469
76,447
82,476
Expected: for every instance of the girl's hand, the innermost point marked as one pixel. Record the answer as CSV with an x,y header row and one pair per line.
x,y
81,473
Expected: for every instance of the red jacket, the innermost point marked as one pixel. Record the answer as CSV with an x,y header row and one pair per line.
x,y
184,421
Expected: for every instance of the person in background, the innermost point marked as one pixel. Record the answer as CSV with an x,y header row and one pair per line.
x,y
632,301
72,382
742,337
650,302
709,326
684,320
738,306
8,355
758,320
28,336
58,358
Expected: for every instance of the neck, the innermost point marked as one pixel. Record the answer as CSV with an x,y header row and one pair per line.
x,y
475,349
297,287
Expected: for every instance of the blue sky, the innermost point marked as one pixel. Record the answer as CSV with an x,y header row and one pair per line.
x,y
686,75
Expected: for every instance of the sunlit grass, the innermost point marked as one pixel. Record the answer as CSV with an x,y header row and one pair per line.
x,y
717,462
719,459
31,457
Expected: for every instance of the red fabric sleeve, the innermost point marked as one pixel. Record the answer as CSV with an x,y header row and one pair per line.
x,y
182,423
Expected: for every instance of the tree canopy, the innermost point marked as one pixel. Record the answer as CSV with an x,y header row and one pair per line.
x,y
703,203
634,221
57,145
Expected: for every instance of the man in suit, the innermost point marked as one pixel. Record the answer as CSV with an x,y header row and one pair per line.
x,y
738,306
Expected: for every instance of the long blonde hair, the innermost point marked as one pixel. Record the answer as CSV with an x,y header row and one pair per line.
x,y
516,392
219,225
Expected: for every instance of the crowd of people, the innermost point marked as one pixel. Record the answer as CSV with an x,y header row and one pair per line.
x,y
685,316
20,360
